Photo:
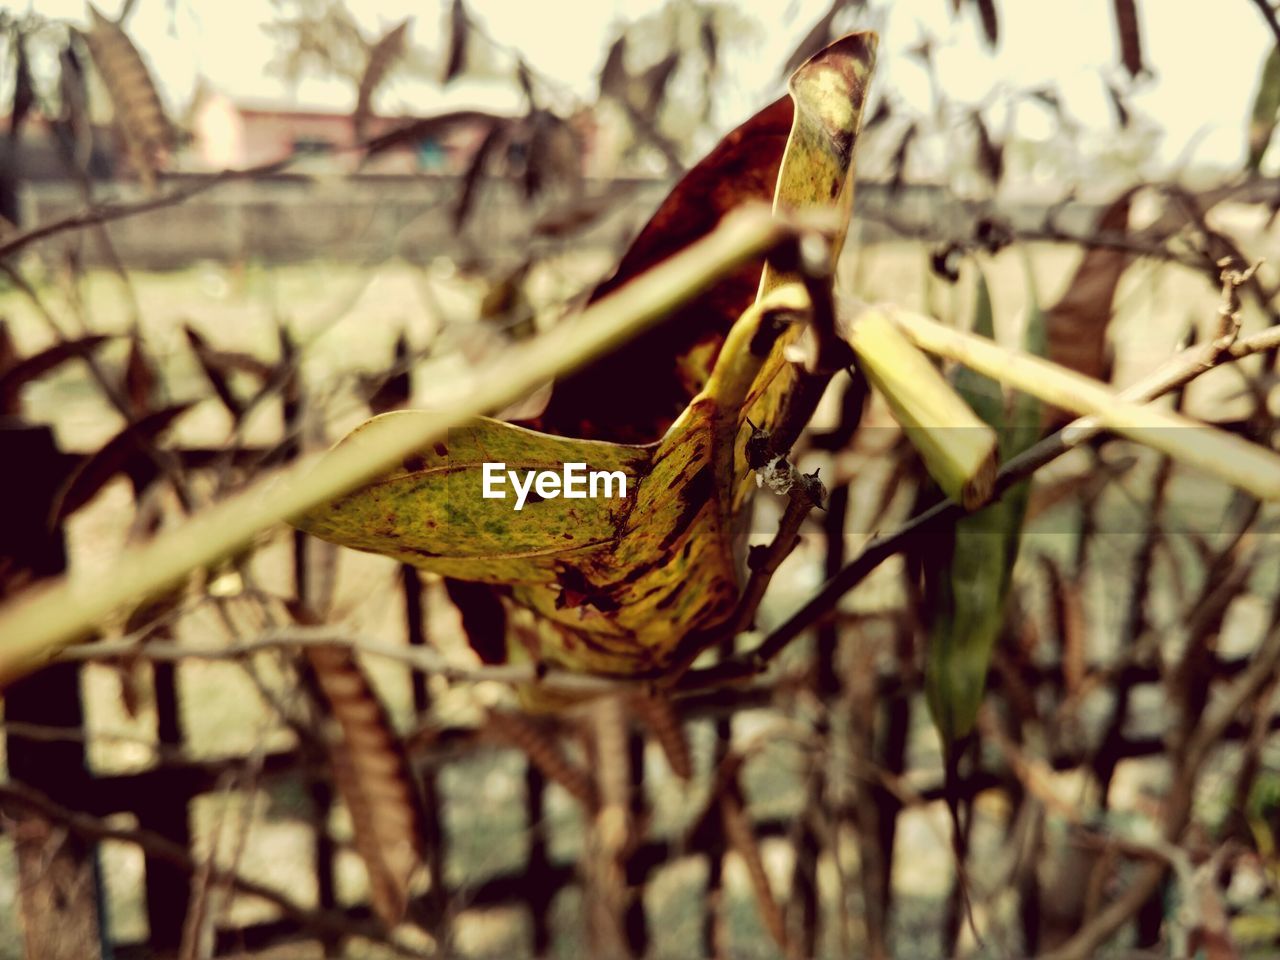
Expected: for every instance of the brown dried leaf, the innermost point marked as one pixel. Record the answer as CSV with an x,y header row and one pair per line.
x,y
392,392
613,75
459,34
126,452
990,153
17,376
1126,13
529,737
990,22
139,379
741,839
635,394
383,55
374,779
139,112
659,716
1077,324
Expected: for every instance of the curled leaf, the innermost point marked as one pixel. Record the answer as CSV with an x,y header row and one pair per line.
x,y
21,372
373,778
383,55
126,452
139,112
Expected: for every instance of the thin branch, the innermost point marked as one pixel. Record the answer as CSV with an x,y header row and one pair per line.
x,y
1176,372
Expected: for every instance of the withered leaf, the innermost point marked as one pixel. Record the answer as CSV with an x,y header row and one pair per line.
x,y
613,75
1077,323
660,717
990,21
388,49
1126,13
392,392
990,153
139,379
126,452
373,778
139,112
218,365
635,394
527,735
24,371
459,35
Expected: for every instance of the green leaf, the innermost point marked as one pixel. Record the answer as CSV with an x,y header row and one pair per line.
x,y
966,591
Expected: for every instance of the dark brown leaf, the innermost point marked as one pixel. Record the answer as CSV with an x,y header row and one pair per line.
x,y
528,736
374,780
710,41
459,34
139,379
660,717
990,153
216,371
613,75
22,372
484,619
383,55
139,113
393,392
127,452
635,394
1077,324
990,22
8,349
1119,106
1127,31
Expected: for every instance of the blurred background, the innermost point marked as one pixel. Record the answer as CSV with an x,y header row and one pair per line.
x,y
234,230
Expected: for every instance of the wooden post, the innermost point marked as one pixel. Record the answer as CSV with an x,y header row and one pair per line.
x,y
58,877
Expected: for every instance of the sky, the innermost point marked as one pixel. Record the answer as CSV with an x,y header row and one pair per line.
x,y
1206,55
